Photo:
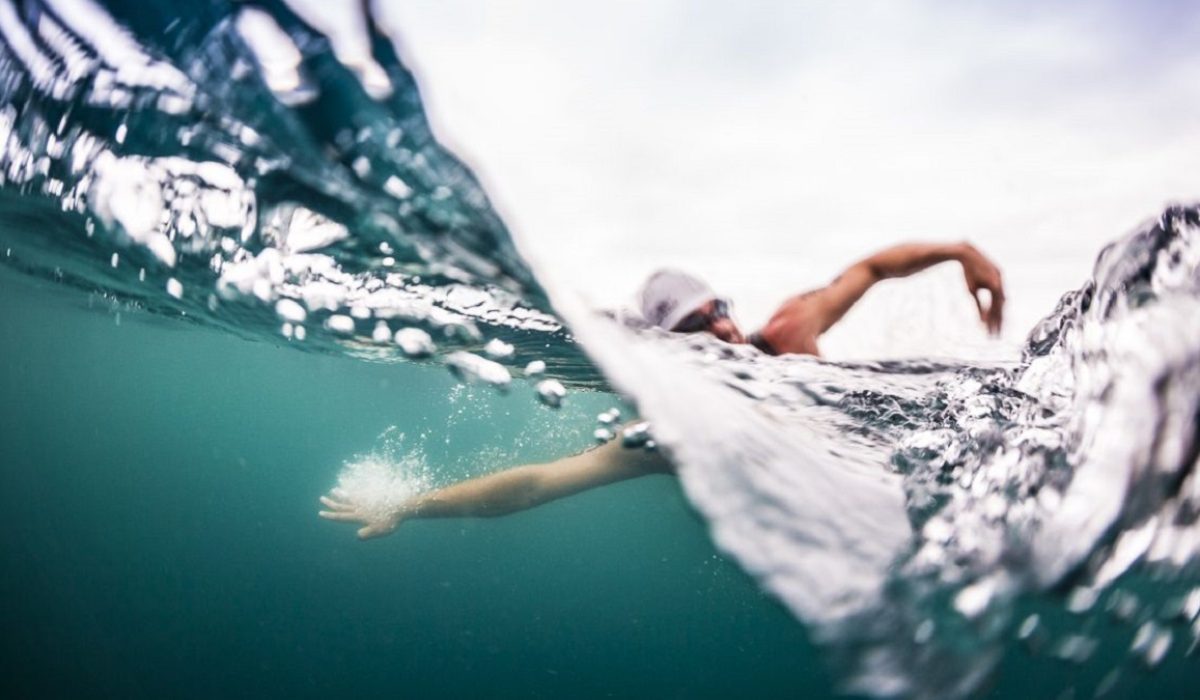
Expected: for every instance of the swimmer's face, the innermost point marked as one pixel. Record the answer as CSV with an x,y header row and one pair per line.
x,y
713,317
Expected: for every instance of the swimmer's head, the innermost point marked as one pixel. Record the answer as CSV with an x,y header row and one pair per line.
x,y
682,303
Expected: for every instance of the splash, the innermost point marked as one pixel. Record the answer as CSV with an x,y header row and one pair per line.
x,y
904,509
382,481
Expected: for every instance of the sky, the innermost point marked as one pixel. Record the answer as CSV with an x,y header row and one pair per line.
x,y
766,145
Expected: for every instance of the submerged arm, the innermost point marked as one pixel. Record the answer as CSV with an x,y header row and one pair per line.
x,y
507,491
519,488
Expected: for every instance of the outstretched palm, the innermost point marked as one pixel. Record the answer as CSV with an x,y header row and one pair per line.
x,y
342,507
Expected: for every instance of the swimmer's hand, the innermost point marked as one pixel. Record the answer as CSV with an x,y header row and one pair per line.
x,y
982,275
343,508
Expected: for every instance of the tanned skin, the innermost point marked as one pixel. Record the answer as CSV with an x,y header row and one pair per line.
x,y
793,329
799,321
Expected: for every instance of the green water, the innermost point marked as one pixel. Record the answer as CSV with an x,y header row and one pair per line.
x,y
160,536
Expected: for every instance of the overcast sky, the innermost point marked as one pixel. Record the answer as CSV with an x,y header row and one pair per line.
x,y
766,144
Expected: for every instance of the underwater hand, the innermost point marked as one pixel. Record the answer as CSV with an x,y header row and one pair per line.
x,y
343,508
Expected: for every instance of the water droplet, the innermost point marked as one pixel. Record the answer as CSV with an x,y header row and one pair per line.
x,y
535,368
602,435
175,288
115,260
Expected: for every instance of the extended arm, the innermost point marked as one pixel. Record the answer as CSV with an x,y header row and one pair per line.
x,y
827,305
507,491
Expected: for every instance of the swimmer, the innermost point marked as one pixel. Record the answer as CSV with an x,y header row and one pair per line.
x,y
678,302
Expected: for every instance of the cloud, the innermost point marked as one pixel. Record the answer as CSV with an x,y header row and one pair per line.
x,y
766,144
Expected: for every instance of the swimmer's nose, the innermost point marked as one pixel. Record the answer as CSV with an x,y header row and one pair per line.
x,y
727,330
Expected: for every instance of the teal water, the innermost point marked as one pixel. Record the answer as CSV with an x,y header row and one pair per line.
x,y
267,224
161,539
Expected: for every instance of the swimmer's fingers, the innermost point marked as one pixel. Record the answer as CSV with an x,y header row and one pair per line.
x,y
341,516
996,312
375,530
336,505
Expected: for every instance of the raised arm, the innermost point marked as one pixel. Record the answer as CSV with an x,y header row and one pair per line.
x,y
821,308
504,492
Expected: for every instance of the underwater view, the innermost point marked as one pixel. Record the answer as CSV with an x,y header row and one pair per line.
x,y
254,304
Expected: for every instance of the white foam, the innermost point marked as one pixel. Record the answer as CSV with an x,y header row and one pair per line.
x,y
379,483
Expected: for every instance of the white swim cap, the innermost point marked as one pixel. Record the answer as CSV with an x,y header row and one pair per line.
x,y
670,295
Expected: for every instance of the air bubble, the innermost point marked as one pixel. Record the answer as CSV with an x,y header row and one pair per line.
x,y
1076,648
609,417
498,348
289,310
551,392
636,435
1151,643
415,342
339,323
470,367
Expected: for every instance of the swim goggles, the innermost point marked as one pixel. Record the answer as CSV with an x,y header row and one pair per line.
x,y
701,320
